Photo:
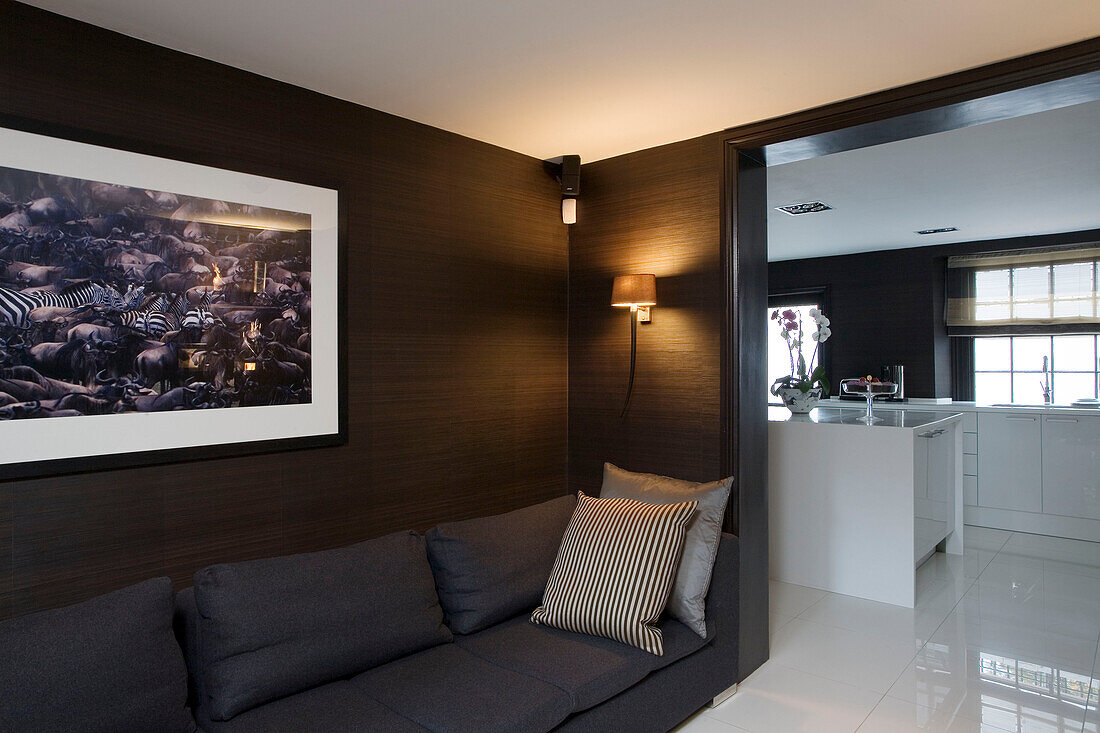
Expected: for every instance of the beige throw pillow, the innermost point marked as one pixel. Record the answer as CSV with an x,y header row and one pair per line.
x,y
687,602
614,570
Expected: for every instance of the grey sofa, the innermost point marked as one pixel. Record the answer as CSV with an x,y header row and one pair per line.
x,y
365,638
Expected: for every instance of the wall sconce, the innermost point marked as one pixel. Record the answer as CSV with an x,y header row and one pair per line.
x,y
569,211
566,170
638,292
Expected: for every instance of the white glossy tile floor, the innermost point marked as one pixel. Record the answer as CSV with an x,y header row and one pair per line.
x,y
1005,637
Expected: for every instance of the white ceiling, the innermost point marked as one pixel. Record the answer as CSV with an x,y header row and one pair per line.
x,y
1038,174
595,77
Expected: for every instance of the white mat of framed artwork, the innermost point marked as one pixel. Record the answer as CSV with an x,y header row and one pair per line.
x,y
41,439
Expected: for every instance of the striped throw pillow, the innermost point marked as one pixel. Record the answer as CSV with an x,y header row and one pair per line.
x,y
615,569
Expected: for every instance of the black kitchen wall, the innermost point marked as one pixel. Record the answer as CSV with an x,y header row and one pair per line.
x,y
886,307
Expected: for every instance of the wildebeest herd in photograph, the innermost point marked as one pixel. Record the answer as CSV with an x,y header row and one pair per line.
x,y
116,299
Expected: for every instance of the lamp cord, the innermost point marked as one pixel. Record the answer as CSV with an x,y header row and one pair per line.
x,y
633,352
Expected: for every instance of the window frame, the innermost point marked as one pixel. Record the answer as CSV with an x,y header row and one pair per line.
x,y
1053,370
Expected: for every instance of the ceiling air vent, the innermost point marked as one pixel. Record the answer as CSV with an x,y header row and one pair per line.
x,y
941,230
810,207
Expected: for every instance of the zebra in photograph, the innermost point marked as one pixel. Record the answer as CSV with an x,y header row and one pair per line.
x,y
156,317
15,305
197,319
161,314
148,321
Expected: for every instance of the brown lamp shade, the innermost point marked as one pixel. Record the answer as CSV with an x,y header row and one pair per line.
x,y
631,290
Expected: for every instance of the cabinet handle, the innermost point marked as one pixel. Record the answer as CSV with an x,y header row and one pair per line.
x,y
929,434
1019,417
1061,419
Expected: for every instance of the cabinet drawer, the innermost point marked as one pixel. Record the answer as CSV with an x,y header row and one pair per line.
x,y
970,465
970,443
970,490
970,422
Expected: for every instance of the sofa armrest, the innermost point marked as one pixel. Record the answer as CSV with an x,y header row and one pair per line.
x,y
723,599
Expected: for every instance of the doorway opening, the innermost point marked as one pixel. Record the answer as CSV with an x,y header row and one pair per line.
x,y
1037,83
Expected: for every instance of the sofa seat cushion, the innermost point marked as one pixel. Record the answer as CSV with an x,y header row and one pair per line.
x,y
590,668
110,664
269,628
449,690
338,707
680,641
491,568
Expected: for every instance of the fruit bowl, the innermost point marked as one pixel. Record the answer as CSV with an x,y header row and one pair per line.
x,y
869,387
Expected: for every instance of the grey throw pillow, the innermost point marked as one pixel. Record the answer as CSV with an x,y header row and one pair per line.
x,y
687,602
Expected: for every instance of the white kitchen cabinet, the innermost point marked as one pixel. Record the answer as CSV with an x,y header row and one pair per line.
x,y
853,507
935,465
970,490
1040,468
1071,466
942,479
1010,471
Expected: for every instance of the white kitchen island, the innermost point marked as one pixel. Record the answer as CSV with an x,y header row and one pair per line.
x,y
856,508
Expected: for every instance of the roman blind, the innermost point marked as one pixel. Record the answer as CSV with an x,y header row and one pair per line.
x,y
1030,291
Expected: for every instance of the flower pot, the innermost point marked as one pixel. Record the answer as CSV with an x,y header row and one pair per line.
x,y
800,402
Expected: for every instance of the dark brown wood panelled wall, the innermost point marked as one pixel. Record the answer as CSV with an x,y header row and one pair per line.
x,y
457,272
655,211
660,211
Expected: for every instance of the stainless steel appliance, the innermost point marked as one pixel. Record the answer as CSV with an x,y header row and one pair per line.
x,y
895,373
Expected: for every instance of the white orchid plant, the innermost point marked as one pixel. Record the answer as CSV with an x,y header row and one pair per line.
x,y
804,375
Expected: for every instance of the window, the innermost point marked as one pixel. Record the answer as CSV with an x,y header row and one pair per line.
x,y
1024,289
1050,292
779,356
1010,368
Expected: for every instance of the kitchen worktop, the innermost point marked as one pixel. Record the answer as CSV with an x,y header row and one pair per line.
x,y
956,406
907,418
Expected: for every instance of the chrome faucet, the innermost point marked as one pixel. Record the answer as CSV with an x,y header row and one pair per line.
x,y
1047,395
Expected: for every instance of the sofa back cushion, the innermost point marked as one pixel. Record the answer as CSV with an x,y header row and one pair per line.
x,y
110,664
492,568
269,628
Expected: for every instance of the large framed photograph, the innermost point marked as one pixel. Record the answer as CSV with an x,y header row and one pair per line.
x,y
157,310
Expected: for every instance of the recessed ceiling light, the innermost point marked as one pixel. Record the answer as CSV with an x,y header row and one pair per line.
x,y
809,207
941,230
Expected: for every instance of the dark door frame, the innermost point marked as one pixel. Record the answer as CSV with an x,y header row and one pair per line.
x,y
1046,80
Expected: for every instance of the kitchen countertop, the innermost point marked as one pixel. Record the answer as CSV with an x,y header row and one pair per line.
x,y
835,403
907,418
